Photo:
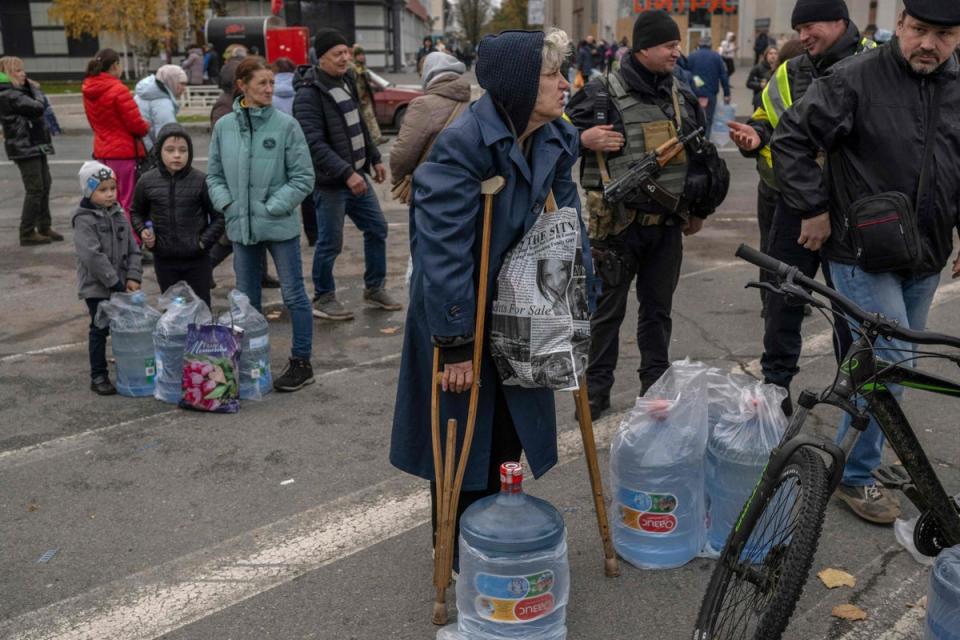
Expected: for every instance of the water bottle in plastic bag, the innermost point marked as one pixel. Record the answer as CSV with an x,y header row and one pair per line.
x,y
656,471
170,337
943,598
720,131
255,377
131,322
737,453
514,575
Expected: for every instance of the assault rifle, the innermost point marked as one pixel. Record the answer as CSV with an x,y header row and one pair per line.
x,y
642,174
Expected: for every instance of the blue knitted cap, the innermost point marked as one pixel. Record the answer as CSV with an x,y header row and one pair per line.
x,y
508,68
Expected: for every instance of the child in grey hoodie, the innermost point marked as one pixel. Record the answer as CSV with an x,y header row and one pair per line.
x,y
108,258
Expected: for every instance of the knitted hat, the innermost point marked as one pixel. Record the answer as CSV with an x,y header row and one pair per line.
x,y
438,63
654,28
938,12
819,11
508,67
327,39
92,173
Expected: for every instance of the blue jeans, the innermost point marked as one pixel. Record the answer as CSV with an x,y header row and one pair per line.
x,y
332,205
905,300
248,265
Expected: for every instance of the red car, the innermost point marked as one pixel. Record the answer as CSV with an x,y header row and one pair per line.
x,y
390,101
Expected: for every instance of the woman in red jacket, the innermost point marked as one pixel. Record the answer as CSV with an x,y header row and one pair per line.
x,y
116,122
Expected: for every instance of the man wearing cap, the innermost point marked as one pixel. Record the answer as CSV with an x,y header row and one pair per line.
x,y
889,122
828,36
620,118
344,154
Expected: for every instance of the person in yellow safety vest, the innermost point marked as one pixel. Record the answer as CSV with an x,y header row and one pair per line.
x,y
827,36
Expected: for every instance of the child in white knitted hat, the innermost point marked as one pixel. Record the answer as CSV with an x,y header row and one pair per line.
x,y
108,258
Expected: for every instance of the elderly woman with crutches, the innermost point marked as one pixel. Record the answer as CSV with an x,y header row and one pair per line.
x,y
487,179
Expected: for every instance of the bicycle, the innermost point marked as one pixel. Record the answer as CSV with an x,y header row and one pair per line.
x,y
767,557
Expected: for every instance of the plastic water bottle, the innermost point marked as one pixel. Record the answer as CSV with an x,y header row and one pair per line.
x,y
731,477
943,598
659,496
168,347
514,575
256,379
133,350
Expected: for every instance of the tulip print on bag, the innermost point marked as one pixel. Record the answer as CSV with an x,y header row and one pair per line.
x,y
210,369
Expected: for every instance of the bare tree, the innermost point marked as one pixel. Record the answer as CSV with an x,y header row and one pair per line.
x,y
474,14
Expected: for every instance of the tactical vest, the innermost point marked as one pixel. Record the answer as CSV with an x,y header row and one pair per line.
x,y
646,127
777,98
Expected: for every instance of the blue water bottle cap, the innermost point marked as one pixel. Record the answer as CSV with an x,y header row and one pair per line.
x,y
148,224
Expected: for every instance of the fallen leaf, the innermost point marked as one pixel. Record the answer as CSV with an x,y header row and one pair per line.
x,y
919,604
848,612
390,330
32,507
833,578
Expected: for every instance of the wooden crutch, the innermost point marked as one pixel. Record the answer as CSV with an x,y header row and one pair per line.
x,y
448,483
611,566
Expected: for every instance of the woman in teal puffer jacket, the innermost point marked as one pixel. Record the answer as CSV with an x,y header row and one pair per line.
x,y
258,173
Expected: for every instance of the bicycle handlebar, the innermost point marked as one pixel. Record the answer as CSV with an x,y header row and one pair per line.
x,y
886,328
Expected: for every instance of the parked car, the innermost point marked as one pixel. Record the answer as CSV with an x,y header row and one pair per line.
x,y
390,101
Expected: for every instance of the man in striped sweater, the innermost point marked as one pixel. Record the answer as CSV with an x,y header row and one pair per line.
x,y
327,107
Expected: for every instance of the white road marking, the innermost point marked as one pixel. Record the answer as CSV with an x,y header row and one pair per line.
x,y
42,352
159,600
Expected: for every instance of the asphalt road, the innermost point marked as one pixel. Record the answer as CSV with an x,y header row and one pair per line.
x,y
168,524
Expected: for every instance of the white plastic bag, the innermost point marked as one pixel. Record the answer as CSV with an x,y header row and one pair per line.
x,y
720,133
540,325
903,532
170,337
656,471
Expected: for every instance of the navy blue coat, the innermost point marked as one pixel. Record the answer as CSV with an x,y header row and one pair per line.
x,y
445,233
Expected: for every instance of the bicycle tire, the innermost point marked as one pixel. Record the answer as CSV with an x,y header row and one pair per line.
x,y
785,566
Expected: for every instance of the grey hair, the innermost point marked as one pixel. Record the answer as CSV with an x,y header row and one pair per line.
x,y
556,48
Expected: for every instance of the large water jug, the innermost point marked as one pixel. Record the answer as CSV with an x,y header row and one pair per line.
x,y
943,598
514,575
255,377
657,476
170,338
737,453
131,322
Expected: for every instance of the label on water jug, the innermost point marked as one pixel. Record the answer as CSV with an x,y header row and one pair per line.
x,y
150,368
259,342
648,512
514,599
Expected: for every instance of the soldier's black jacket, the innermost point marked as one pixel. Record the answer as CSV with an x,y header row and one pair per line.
x,y
870,114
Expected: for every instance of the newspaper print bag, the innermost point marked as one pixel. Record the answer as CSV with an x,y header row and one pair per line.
x,y
540,326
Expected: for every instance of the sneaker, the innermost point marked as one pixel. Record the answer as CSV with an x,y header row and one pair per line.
x,y
53,235
296,376
102,386
329,308
872,503
33,239
380,299
269,282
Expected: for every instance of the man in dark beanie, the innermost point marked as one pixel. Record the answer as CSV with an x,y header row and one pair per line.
x,y
827,36
856,115
515,131
327,106
620,118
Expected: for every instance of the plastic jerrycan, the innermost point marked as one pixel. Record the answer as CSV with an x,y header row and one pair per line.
x,y
514,575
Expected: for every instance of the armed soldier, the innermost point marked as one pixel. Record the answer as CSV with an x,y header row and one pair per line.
x,y
637,230
828,36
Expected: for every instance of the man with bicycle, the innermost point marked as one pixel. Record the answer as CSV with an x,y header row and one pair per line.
x,y
828,36
883,210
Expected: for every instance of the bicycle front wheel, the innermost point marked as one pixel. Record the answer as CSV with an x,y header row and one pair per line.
x,y
767,558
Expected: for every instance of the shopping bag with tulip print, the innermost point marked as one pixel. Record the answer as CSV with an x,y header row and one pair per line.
x,y
211,369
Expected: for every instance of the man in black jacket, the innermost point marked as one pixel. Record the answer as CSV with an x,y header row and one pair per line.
x,y
621,117
327,107
876,115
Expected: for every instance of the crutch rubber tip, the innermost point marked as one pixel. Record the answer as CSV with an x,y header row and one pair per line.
x,y
439,613
611,567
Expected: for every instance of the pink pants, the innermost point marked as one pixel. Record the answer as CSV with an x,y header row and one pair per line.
x,y
126,171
